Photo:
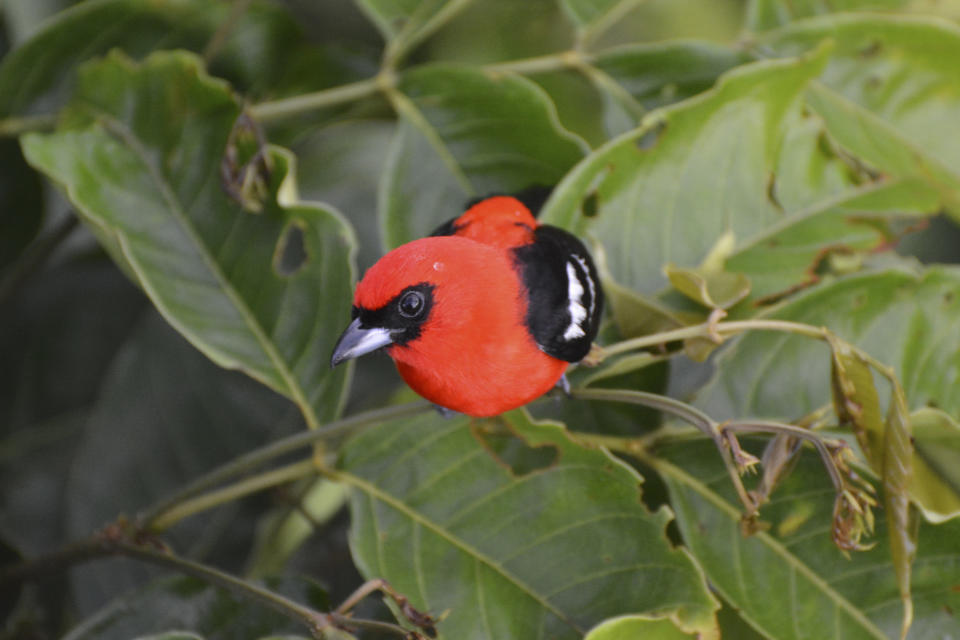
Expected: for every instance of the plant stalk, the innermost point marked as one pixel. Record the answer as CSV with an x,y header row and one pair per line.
x,y
205,501
708,330
15,126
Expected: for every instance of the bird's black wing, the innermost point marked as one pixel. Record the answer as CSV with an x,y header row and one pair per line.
x,y
565,297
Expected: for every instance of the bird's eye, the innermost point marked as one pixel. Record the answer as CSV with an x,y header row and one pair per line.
x,y
411,304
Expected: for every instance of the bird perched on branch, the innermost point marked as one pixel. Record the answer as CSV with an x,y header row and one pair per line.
x,y
485,314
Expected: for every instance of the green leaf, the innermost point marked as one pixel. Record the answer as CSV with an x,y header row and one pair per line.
x,y
406,23
791,581
691,173
890,92
634,627
902,519
781,191
769,14
709,284
198,610
40,74
341,164
903,318
465,133
513,551
856,402
142,168
796,253
936,464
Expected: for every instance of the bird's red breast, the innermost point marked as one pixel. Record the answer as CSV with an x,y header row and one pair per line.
x,y
473,353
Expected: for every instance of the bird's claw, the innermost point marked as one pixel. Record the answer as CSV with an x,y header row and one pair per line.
x,y
446,413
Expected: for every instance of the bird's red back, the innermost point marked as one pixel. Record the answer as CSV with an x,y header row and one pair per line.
x,y
500,221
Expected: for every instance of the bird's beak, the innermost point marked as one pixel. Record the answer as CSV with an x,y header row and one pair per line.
x,y
357,341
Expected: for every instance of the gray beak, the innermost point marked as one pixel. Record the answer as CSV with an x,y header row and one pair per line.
x,y
356,341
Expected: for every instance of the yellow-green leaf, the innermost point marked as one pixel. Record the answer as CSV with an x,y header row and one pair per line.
x,y
936,464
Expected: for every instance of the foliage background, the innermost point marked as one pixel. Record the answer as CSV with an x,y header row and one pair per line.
x,y
111,399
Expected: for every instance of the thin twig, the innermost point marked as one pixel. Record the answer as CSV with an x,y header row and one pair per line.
x,y
763,426
16,126
685,412
205,501
707,329
286,107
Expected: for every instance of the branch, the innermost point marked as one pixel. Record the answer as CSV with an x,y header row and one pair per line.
x,y
286,107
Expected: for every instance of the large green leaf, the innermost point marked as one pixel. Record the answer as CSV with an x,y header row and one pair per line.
x,y
341,164
791,581
890,93
796,252
769,14
903,318
39,75
936,464
464,133
521,543
143,167
700,170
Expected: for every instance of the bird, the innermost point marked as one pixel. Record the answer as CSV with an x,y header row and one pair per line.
x,y
485,314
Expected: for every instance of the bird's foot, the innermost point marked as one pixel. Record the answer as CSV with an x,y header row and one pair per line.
x,y
446,413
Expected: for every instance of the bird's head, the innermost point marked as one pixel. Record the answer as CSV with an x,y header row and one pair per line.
x,y
424,292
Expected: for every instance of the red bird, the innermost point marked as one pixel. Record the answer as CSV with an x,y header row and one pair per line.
x,y
485,314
